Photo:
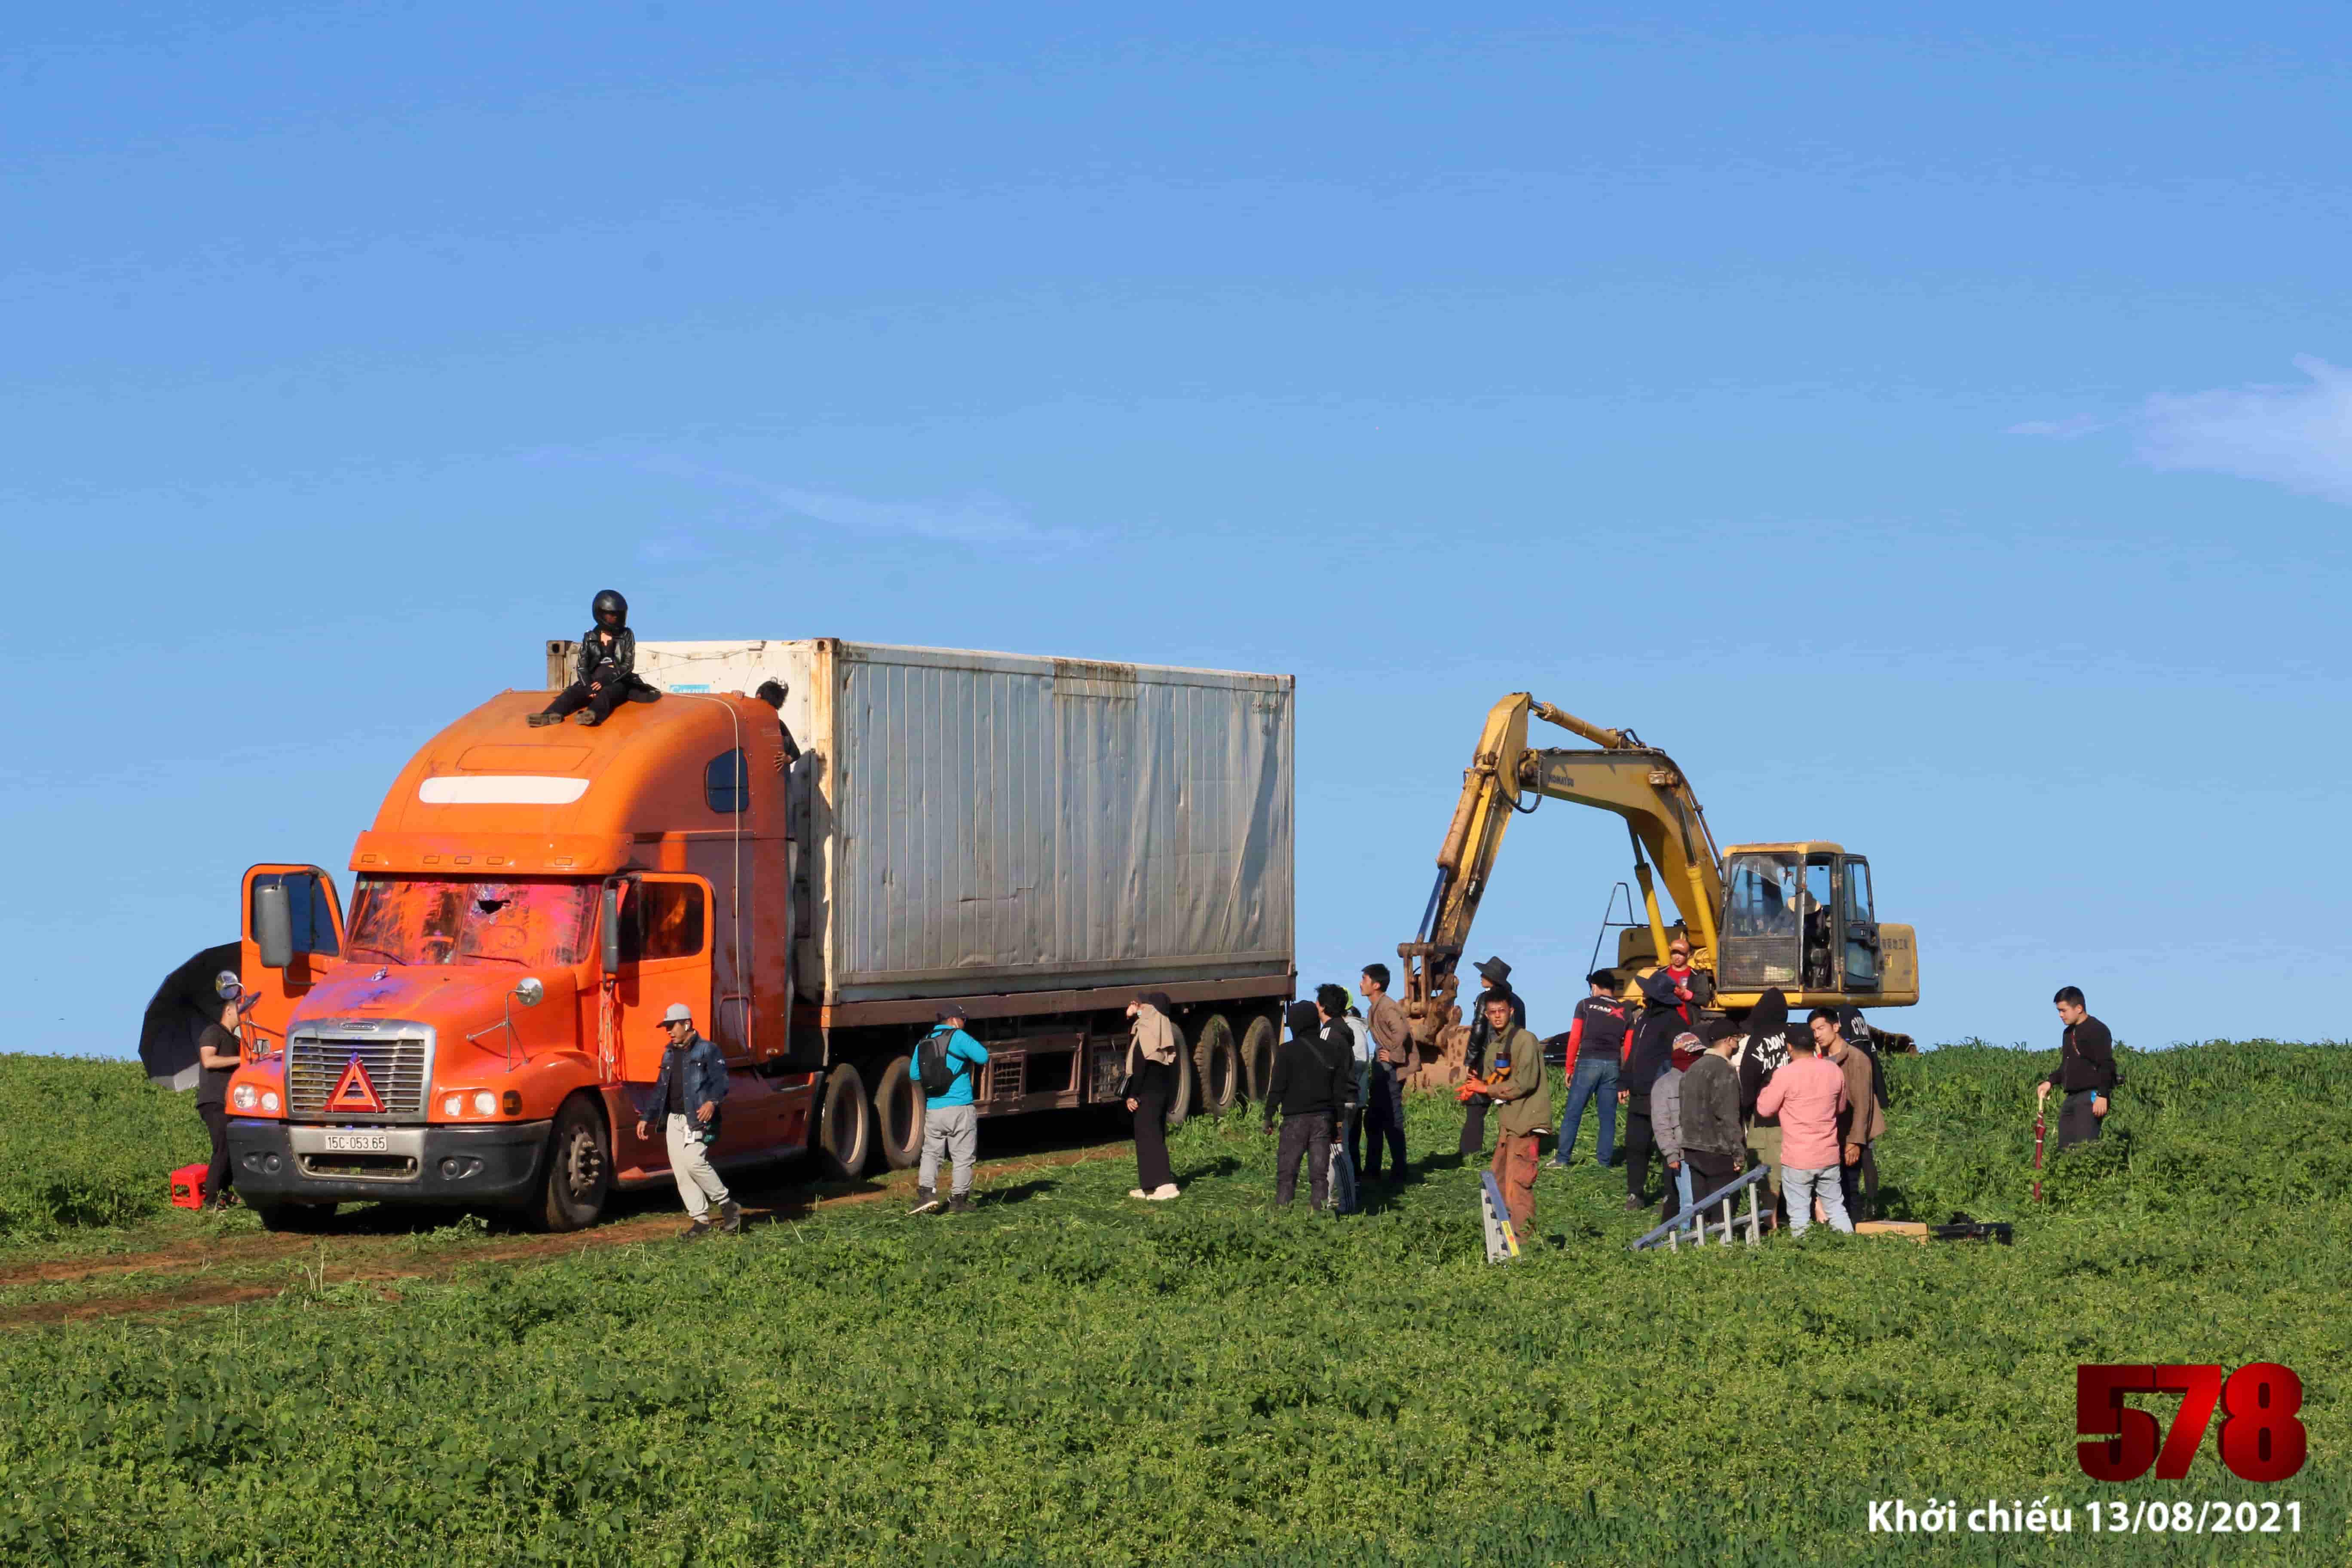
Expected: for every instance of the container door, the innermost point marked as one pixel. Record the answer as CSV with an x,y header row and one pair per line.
x,y
314,917
1861,927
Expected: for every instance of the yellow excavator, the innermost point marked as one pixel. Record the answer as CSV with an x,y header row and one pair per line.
x,y
1796,916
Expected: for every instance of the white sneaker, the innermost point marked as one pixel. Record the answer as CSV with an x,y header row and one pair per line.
x,y
1161,1193
1136,1193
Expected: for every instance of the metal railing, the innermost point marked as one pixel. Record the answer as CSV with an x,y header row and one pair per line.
x,y
1672,1231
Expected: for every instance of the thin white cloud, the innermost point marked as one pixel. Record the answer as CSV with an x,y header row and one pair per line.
x,y
981,520
2299,437
2063,429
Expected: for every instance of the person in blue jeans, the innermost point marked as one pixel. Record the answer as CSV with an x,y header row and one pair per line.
x,y
1596,1046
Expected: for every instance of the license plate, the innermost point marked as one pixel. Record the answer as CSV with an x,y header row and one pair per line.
x,y
358,1143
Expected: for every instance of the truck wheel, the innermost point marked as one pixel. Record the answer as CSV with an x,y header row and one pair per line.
x,y
295,1219
1216,1065
1181,1106
1257,1056
898,1114
841,1138
579,1170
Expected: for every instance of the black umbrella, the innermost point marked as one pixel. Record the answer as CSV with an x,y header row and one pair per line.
x,y
182,1005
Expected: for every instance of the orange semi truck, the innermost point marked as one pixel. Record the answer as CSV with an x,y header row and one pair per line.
x,y
1034,840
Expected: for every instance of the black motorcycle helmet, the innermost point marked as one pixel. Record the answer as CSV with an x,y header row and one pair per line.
x,y
610,610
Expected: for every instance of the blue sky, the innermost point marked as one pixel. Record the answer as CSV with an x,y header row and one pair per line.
x,y
1924,427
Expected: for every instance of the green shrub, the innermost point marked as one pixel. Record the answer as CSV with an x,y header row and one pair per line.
x,y
86,1142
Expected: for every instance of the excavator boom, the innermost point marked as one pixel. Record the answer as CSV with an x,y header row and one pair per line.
x,y
1664,820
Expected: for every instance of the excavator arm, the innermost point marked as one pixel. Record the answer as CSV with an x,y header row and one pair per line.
x,y
1640,783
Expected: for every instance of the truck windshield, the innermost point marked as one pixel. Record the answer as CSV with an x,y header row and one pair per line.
x,y
529,922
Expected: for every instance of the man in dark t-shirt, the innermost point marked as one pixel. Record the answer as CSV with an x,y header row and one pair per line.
x,y
2085,1070
217,1055
1596,1048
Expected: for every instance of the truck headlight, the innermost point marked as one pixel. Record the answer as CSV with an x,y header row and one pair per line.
x,y
453,1105
244,1097
485,1103
269,1100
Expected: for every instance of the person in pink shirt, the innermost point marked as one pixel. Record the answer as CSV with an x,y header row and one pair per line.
x,y
1807,1095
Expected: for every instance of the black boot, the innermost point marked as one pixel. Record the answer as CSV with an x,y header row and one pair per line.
x,y
538,719
959,1204
926,1201
694,1232
730,1217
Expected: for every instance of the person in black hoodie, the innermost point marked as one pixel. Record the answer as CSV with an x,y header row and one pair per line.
x,y
605,675
1497,976
1670,998
2085,1070
1312,1077
1762,1053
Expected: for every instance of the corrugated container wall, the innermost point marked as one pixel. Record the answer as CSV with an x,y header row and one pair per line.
x,y
982,822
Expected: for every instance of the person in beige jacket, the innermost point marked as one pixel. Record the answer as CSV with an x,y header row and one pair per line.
x,y
1523,1097
1859,1125
1394,1059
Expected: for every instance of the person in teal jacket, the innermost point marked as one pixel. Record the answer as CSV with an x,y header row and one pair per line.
x,y
951,1120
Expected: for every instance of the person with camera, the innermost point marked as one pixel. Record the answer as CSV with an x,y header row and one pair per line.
x,y
947,1066
2085,1070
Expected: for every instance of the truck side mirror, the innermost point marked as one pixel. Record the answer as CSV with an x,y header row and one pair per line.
x,y
611,928
273,923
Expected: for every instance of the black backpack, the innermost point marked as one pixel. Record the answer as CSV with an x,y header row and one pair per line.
x,y
931,1065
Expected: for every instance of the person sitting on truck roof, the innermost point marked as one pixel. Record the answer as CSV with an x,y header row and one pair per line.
x,y
1152,1079
687,1092
773,693
604,674
945,1063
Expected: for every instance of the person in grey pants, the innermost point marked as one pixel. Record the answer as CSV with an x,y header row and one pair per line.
x,y
687,1092
950,1118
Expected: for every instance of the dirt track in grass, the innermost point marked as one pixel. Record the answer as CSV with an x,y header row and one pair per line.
x,y
381,1248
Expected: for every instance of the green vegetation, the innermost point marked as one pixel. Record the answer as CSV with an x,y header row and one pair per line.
x,y
1068,1376
87,1144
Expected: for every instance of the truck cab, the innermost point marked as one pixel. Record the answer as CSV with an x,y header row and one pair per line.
x,y
524,907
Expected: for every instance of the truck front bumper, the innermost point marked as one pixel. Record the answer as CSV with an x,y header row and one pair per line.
x,y
273,1162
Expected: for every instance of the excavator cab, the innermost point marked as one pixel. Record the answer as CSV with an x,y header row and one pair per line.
x,y
1798,917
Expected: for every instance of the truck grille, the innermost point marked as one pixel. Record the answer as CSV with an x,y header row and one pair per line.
x,y
398,1059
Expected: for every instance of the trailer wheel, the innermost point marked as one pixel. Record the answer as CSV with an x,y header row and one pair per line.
x,y
1257,1056
1181,1106
295,1219
842,1136
898,1114
1216,1065
579,1169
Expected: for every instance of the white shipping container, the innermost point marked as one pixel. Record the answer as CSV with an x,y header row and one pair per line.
x,y
989,822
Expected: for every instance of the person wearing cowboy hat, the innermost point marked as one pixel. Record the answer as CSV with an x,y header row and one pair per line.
x,y
687,1092
1497,976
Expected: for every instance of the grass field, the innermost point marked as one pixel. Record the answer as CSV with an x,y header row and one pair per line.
x,y
1068,1376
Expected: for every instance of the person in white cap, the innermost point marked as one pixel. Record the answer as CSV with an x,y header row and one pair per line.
x,y
687,1092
